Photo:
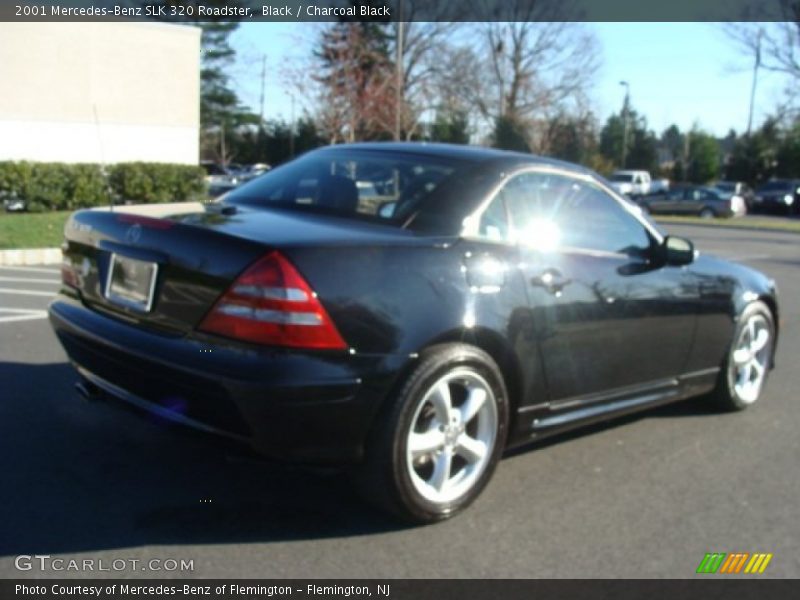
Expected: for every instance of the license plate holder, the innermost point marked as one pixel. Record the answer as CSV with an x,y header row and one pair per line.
x,y
131,282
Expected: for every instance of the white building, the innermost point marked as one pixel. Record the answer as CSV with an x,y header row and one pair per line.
x,y
99,92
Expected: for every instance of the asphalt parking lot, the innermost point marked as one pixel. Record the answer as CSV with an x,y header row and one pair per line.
x,y
645,496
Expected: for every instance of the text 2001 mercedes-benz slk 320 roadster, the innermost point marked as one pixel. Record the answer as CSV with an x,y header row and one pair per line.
x,y
408,310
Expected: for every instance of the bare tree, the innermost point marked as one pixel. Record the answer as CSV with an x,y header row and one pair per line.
x,y
527,69
774,47
422,46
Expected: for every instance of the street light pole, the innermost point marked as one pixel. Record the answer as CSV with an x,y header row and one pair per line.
x,y
263,84
756,66
625,120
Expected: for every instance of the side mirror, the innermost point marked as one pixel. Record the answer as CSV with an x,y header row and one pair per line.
x,y
386,210
677,251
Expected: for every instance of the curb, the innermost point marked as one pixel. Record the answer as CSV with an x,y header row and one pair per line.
x,y
30,256
729,227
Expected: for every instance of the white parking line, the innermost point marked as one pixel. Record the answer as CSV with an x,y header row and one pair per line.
x,y
26,280
26,292
31,269
21,315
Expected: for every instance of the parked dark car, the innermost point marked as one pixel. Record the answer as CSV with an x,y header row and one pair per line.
x,y
778,196
495,298
706,202
736,188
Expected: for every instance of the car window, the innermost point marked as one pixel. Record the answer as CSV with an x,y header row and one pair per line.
x,y
347,183
622,177
551,211
494,221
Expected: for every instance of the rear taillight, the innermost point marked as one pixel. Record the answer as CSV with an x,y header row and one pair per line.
x,y
270,303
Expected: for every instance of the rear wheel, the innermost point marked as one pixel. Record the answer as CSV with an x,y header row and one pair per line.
x,y
438,445
749,360
707,213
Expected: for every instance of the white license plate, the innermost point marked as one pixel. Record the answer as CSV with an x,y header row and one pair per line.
x,y
131,283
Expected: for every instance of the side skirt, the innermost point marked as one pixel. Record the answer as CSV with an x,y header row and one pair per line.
x,y
536,422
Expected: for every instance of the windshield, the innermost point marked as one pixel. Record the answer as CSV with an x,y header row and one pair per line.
x,y
376,184
622,177
775,186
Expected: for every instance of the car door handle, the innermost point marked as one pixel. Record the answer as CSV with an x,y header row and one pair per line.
x,y
552,280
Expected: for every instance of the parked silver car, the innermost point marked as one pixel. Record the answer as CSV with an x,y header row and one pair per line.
x,y
706,202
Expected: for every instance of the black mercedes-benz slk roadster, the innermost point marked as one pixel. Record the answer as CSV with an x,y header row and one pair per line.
x,y
409,311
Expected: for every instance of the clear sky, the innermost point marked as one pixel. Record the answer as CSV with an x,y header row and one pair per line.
x,y
684,73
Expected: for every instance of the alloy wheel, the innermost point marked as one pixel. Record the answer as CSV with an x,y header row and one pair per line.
x,y
750,359
452,436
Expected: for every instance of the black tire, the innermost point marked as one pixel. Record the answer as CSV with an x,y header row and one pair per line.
x,y
385,478
725,395
707,213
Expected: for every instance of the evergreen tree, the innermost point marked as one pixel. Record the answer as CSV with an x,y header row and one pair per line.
x,y
509,134
703,157
450,127
221,112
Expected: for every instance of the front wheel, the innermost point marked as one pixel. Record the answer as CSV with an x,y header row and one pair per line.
x,y
749,359
437,446
707,213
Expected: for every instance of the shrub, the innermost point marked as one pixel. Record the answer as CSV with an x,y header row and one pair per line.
x,y
154,182
61,186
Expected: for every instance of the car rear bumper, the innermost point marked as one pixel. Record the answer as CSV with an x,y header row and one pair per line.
x,y
311,407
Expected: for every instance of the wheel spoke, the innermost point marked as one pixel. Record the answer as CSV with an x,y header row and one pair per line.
x,y
441,471
757,367
741,356
760,341
748,372
442,402
421,444
471,449
474,402
751,330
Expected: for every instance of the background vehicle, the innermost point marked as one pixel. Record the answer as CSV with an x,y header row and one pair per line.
x,y
631,183
252,171
736,188
493,298
218,178
778,195
695,200
12,203
659,186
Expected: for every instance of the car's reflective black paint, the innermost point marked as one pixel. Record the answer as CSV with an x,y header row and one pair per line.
x,y
579,335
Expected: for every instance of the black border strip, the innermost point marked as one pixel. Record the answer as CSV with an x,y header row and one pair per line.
x,y
400,10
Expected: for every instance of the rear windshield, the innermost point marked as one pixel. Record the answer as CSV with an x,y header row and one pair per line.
x,y
378,185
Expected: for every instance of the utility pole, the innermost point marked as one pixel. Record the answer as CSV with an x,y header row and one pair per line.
x,y
756,66
291,132
625,121
263,84
398,96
